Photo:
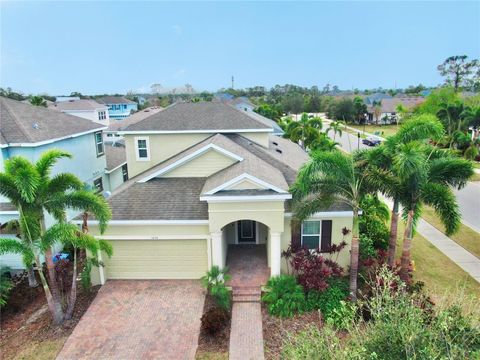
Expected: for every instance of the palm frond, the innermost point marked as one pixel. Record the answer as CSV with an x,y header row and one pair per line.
x,y
24,176
63,182
15,246
443,200
451,171
8,188
420,127
49,158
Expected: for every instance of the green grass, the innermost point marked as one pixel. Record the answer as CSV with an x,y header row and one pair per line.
x,y
475,177
444,279
476,164
465,237
203,355
44,350
384,130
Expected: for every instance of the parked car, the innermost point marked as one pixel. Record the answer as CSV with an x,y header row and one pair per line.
x,y
372,141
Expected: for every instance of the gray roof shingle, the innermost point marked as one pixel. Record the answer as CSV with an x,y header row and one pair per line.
x,y
204,116
25,123
115,155
160,199
115,100
83,104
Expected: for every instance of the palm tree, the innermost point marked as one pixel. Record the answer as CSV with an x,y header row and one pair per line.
x,y
323,143
336,127
38,101
305,130
329,177
383,174
429,174
34,192
377,109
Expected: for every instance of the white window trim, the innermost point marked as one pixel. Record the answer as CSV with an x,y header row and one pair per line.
x,y
242,177
147,141
226,131
191,157
319,233
97,143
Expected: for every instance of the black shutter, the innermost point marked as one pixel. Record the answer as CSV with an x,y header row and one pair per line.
x,y
326,235
296,234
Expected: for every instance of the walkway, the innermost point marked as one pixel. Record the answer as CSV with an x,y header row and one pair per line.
x,y
139,319
249,270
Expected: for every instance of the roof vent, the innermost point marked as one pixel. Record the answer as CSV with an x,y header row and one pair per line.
x,y
274,143
35,126
278,150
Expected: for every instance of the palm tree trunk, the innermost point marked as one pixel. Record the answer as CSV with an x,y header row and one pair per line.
x,y
354,251
52,276
73,289
55,307
32,280
392,243
407,245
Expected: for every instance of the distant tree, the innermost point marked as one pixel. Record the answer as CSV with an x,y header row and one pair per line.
x,y
269,112
38,101
314,104
336,128
377,109
392,92
293,103
359,108
304,131
457,71
9,93
78,94
435,99
342,110
415,90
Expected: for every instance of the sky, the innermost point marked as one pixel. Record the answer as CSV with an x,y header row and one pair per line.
x,y
113,47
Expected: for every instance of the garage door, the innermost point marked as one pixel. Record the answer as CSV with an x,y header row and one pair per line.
x,y
157,259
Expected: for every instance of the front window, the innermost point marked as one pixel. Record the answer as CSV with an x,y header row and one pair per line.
x,y
98,184
125,172
311,234
142,149
99,143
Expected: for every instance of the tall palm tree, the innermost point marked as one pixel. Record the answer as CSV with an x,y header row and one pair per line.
x,y
429,174
332,177
34,192
336,127
377,109
383,174
305,130
38,101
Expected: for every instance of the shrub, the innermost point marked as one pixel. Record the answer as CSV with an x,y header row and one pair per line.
x,y
329,299
214,282
6,285
214,320
284,296
372,225
342,316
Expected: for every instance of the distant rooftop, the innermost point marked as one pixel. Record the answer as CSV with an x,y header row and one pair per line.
x,y
118,125
115,100
78,105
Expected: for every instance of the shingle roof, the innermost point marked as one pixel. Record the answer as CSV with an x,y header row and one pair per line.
x,y
83,104
390,105
118,125
115,155
115,100
25,123
204,116
160,199
7,206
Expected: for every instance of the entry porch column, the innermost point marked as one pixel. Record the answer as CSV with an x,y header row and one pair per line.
x,y
275,253
217,249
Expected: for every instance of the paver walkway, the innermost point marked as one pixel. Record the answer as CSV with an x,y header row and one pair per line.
x,y
246,334
139,319
249,270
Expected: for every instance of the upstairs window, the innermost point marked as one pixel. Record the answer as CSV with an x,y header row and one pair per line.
x,y
102,115
317,234
142,148
98,184
99,143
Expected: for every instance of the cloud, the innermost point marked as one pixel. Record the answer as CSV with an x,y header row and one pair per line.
x,y
177,29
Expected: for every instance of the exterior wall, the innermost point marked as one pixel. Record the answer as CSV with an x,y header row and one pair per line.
x,y
162,147
115,178
246,185
203,166
121,111
90,115
259,138
262,233
269,213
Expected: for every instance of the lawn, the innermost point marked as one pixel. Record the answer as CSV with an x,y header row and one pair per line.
x,y
466,237
475,177
476,165
442,277
383,130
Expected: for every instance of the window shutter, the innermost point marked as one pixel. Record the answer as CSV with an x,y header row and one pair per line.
x,y
296,233
326,235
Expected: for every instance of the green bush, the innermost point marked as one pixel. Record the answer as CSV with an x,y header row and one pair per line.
x,y
343,316
214,282
284,296
329,299
6,285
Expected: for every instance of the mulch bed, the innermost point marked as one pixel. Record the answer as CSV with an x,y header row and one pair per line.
x,y
16,330
275,329
213,344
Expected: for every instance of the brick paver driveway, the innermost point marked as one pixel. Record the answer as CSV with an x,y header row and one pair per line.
x,y
139,319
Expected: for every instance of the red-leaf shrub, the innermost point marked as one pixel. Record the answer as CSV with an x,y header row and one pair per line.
x,y
312,268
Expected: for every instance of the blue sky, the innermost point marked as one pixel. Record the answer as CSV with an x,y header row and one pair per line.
x,y
106,47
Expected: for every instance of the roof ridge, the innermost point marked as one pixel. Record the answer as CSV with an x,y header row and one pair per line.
x,y
17,121
246,114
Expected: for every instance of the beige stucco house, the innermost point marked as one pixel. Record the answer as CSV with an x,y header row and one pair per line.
x,y
206,177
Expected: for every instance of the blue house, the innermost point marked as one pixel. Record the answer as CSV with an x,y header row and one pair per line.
x,y
119,107
28,131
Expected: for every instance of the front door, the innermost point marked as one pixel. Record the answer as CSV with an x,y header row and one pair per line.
x,y
246,232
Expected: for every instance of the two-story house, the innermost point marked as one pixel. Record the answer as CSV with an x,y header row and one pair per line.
x,y
87,109
118,106
28,131
206,179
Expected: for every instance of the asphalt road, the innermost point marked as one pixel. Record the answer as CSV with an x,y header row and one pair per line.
x,y
468,198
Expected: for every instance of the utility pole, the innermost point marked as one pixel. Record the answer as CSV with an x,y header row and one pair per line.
x,y
233,83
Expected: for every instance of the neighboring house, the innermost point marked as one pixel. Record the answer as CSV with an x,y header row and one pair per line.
x,y
28,131
388,109
111,134
87,109
119,107
117,168
370,99
205,177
